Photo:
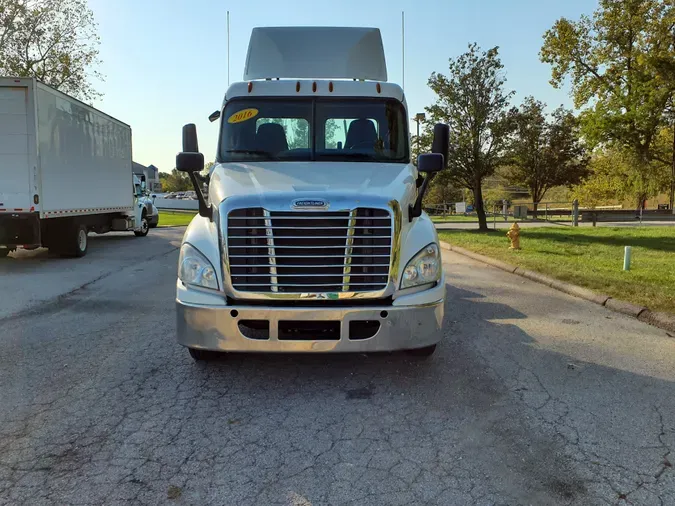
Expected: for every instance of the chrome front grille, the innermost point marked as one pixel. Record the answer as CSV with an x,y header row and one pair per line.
x,y
309,251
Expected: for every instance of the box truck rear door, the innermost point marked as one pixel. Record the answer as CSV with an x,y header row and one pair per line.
x,y
15,149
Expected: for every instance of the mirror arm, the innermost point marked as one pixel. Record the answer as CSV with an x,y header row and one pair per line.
x,y
204,209
415,211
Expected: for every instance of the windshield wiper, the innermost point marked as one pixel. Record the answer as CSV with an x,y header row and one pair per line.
x,y
253,152
350,154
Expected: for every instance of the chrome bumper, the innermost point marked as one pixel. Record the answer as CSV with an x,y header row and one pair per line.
x,y
211,327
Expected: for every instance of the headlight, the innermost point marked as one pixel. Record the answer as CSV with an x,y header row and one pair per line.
x,y
424,268
195,269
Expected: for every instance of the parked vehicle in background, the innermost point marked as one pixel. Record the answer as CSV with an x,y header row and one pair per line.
x,y
65,171
312,237
148,202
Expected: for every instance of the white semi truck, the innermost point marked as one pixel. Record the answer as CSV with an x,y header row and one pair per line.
x,y
311,236
65,171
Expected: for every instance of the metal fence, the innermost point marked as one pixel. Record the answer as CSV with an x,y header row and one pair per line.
x,y
555,212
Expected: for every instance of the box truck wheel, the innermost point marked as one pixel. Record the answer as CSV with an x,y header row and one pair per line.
x,y
145,226
4,252
76,240
200,355
427,351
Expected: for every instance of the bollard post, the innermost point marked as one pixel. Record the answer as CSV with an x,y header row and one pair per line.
x,y
626,258
575,212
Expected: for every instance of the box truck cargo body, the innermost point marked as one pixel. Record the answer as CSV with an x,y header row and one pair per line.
x,y
64,170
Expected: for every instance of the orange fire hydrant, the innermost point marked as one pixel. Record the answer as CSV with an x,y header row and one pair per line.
x,y
514,235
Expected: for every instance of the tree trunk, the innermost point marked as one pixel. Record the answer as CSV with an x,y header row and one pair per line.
x,y
672,178
480,209
535,209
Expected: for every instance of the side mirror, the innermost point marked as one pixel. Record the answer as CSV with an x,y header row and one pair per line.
x,y
441,142
214,116
190,159
190,162
430,163
190,144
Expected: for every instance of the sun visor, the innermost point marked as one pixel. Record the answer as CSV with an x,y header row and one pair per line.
x,y
315,52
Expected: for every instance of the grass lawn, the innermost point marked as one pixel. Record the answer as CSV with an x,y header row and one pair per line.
x,y
450,218
174,218
590,257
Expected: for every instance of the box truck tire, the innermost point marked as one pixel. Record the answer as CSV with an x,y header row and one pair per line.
x,y
144,227
4,252
68,239
76,241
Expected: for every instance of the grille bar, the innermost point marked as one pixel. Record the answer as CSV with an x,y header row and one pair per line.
x,y
348,236
310,228
304,275
303,285
325,266
315,251
299,217
307,256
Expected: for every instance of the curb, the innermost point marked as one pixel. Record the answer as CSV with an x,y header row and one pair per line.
x,y
661,320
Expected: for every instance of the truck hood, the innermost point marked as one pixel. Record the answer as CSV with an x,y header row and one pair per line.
x,y
354,182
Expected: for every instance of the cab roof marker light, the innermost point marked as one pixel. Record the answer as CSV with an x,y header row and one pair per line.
x,y
297,87
330,87
314,86
250,86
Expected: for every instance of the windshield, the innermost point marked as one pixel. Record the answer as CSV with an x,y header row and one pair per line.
x,y
284,129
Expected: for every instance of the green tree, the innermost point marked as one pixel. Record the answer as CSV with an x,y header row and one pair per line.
x,y
472,101
621,63
176,181
54,41
544,154
615,176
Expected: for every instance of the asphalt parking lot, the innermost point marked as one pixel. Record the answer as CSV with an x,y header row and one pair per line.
x,y
534,397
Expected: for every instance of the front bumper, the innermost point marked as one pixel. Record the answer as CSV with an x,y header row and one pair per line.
x,y
401,327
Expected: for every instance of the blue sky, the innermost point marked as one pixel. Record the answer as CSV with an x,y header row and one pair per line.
x,y
165,61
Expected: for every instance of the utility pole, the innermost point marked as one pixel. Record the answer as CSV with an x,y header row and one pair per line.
x,y
228,49
403,50
419,117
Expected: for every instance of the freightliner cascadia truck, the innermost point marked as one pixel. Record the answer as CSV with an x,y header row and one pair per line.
x,y
310,235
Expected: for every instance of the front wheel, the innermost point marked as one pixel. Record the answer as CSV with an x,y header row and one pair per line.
x,y
200,355
425,352
4,252
144,228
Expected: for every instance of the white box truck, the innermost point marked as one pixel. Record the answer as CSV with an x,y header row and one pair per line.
x,y
65,171
311,236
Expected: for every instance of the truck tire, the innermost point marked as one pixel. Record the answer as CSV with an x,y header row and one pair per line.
x,y
425,352
201,355
4,252
145,227
77,241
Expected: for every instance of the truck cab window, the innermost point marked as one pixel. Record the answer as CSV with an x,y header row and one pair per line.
x,y
348,129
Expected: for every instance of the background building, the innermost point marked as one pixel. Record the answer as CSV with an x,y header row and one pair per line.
x,y
151,174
